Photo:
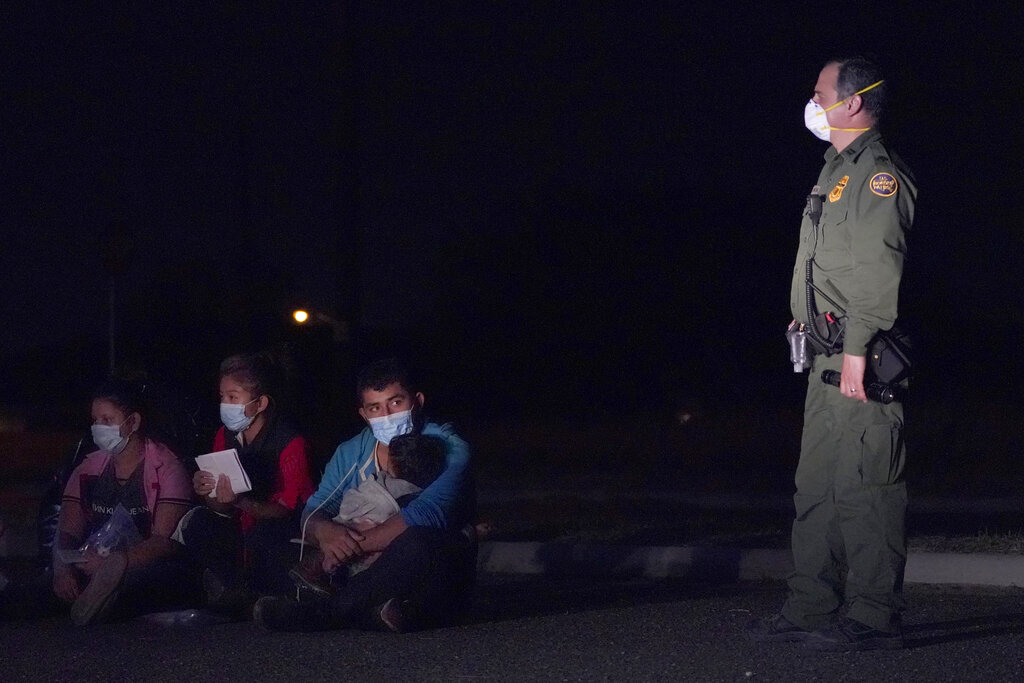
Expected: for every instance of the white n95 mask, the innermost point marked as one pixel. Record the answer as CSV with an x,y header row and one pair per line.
x,y
816,121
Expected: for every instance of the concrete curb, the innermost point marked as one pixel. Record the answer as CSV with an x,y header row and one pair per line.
x,y
18,538
721,565
739,501
983,569
724,564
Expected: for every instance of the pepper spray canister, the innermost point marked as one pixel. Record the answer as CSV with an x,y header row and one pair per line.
x,y
798,356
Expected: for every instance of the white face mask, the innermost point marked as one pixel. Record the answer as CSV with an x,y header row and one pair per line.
x,y
108,437
234,418
816,121
389,426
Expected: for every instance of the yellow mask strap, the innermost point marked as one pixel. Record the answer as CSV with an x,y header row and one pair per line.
x,y
873,85
852,130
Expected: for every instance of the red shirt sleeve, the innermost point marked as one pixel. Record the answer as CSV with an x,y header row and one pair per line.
x,y
220,443
294,483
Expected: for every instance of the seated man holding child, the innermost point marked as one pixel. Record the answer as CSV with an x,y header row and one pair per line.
x,y
425,573
415,462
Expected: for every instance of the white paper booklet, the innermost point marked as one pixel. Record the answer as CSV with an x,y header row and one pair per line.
x,y
225,462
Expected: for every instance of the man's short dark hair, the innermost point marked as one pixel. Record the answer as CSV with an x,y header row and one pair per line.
x,y
857,73
381,373
416,458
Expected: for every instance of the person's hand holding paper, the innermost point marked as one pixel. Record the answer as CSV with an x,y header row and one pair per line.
x,y
227,470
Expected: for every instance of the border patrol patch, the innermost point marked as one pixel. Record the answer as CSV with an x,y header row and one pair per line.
x,y
884,184
837,191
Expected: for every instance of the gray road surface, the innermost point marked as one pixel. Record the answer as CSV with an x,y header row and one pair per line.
x,y
536,628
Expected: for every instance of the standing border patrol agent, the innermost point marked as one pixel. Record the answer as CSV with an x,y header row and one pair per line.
x,y
851,498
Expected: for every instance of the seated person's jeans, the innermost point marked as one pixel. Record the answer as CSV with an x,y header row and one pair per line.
x,y
432,572
258,559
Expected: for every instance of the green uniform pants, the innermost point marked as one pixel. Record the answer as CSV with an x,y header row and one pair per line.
x,y
851,506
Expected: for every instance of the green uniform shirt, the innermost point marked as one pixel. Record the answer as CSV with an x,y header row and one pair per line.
x,y
858,249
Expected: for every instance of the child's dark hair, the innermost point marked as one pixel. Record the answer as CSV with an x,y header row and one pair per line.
x,y
381,373
417,458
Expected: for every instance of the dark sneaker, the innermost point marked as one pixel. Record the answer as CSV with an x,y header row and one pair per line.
x,y
280,613
309,575
777,629
101,592
392,617
221,598
849,635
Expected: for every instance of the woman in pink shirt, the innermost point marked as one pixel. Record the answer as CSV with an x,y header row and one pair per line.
x,y
148,482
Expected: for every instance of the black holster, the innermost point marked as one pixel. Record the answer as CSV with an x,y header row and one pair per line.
x,y
828,332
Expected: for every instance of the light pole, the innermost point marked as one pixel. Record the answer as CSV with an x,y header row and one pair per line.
x,y
118,241
112,326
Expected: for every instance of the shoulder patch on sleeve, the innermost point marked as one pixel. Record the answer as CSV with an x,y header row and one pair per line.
x,y
884,184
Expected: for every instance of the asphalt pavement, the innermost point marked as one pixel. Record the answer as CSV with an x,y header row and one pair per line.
x,y
527,628
572,611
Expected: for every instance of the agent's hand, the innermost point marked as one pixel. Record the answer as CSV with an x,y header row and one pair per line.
x,y
203,483
851,382
224,493
338,543
65,583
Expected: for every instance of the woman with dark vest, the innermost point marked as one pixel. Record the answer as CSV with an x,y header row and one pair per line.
x,y
242,542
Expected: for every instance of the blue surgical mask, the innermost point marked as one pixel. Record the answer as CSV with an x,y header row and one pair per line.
x,y
108,437
389,426
233,416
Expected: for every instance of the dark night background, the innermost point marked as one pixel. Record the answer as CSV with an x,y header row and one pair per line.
x,y
573,210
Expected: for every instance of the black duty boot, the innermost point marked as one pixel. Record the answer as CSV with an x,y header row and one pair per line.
x,y
777,629
850,634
